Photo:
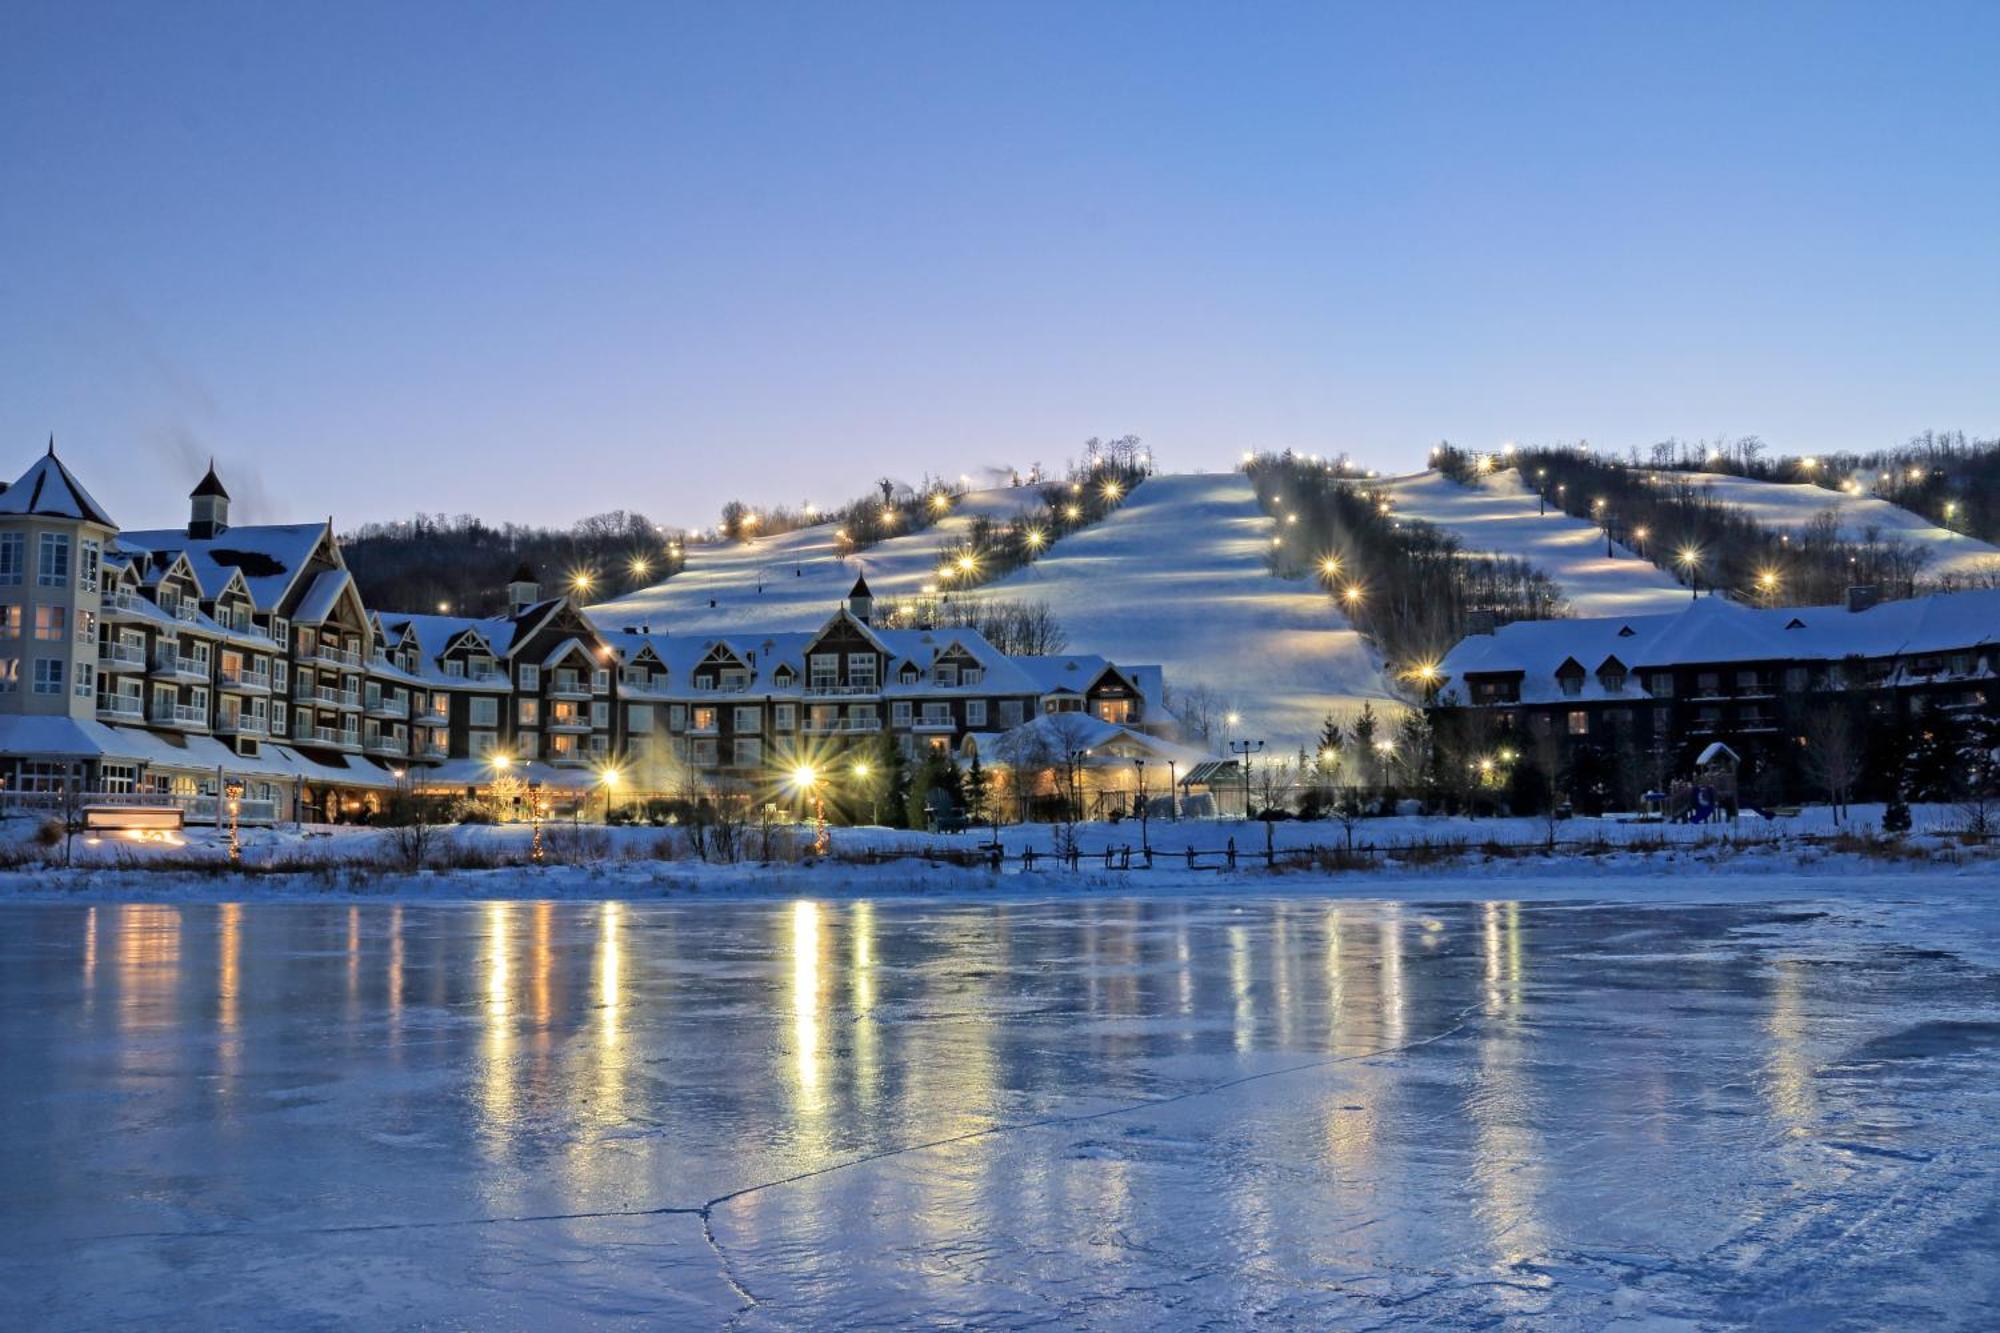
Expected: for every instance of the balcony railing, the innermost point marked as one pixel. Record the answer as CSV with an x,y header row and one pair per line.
x,y
320,652
129,602
177,715
842,691
122,708
569,724
431,750
173,664
831,726
385,745
380,707
239,679
336,736
933,724
242,724
122,655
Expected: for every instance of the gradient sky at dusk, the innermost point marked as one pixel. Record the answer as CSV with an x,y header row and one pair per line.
x,y
540,261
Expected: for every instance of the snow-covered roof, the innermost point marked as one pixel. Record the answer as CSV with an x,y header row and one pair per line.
x,y
48,488
270,556
322,596
1106,742
1713,630
88,738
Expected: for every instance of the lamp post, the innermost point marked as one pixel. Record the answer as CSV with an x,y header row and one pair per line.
x,y
806,781
535,813
609,780
1243,750
1173,791
1145,844
1690,560
234,791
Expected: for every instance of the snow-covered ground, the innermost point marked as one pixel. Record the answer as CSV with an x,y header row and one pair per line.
x,y
1459,1110
1175,577
1499,515
1789,507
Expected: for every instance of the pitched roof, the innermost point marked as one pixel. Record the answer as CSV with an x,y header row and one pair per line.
x,y
209,485
48,488
270,555
860,588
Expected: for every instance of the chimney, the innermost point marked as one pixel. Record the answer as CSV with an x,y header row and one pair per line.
x,y
208,514
1479,622
523,590
1862,596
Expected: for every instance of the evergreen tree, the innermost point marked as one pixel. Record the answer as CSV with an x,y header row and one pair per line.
x,y
890,777
976,786
1366,759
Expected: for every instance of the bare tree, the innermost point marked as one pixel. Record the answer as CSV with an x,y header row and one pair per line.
x,y
1832,755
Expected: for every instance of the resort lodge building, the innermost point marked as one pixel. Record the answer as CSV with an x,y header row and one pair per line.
x,y
1649,693
172,663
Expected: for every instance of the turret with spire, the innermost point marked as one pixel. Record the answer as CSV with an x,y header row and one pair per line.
x,y
523,590
209,507
860,603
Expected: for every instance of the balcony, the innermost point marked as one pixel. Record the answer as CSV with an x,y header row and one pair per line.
x,y
320,652
433,715
570,724
837,726
394,746
434,751
703,728
577,690
125,605
121,657
341,738
246,682
121,708
380,707
843,691
183,668
935,726
178,715
327,698
242,724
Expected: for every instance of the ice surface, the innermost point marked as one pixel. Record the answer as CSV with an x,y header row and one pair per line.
x,y
1102,1113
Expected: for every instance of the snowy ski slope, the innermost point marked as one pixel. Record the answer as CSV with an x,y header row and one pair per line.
x,y
1174,577
1786,506
1498,515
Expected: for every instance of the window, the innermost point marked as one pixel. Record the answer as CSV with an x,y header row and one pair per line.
x,y
1571,682
784,717
48,675
1663,685
278,707
51,623
1115,710
484,743
734,678
975,712
86,680
825,671
10,675
704,719
1579,722
861,670
86,627
528,712
899,713
531,676
1010,712
972,676
638,717
455,669
13,557
1795,680
749,752
747,718
485,711
527,745
937,714
1613,681
677,717
947,674
10,622
92,560
702,753
600,680
600,713
53,570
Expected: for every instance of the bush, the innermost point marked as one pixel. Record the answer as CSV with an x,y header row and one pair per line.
x,y
475,814
1896,817
49,832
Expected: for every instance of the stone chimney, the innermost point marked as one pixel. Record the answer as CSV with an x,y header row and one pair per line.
x,y
1479,622
1862,596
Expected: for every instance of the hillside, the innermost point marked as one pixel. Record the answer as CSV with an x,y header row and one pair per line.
x,y
1499,515
1176,576
1788,507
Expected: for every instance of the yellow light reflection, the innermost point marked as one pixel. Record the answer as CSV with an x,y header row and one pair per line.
x,y
806,999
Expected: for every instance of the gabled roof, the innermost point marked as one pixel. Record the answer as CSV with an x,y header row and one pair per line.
x,y
860,588
271,556
47,488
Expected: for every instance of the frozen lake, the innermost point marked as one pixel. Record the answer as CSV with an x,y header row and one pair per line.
x,y
1101,1114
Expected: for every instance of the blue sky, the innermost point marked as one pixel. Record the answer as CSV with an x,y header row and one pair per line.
x,y
541,261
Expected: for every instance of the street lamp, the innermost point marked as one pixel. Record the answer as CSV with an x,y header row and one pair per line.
x,y
1690,560
1243,750
806,781
234,791
609,779
1145,846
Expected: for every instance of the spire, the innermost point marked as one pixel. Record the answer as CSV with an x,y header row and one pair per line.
x,y
52,444
210,484
860,588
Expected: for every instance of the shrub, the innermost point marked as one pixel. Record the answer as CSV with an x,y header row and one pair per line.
x,y
49,832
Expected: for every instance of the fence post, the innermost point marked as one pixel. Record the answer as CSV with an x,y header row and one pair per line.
x,y
1190,856
1231,851
1270,857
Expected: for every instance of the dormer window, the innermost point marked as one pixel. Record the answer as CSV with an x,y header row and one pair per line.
x,y
909,674
947,674
455,669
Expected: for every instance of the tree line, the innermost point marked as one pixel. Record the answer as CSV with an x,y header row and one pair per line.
x,y
461,563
